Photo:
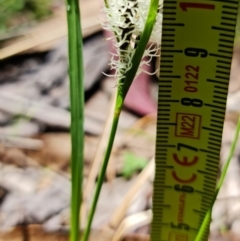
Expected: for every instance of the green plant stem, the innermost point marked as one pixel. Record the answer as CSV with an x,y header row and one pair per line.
x,y
203,231
75,51
121,94
117,112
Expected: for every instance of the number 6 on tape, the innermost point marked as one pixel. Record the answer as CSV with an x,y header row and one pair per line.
x,y
196,53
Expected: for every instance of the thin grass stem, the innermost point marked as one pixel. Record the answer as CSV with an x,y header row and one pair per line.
x,y
203,231
76,75
121,94
102,173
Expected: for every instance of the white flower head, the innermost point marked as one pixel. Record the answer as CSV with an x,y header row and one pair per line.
x,y
126,18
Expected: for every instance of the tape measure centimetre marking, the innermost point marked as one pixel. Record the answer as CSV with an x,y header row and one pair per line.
x,y
196,54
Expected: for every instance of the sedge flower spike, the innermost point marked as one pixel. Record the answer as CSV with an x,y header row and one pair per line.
x,y
126,18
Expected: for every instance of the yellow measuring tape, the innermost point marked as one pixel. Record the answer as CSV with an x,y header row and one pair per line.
x,y
196,54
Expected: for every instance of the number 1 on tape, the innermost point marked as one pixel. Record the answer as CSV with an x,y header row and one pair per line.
x,y
196,53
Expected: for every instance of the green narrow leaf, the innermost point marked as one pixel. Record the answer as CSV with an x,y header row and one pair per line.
x,y
207,219
75,51
137,57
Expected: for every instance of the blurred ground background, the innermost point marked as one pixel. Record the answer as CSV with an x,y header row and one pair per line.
x,y
35,140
